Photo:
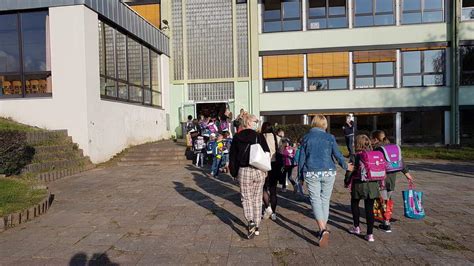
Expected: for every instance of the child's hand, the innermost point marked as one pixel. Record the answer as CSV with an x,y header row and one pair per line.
x,y
350,167
409,177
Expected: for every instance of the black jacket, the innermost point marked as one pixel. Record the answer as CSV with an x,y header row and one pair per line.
x,y
240,149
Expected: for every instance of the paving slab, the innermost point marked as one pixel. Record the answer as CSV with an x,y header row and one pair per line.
x,y
177,215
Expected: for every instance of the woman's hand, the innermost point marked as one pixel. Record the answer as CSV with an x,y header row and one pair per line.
x,y
350,167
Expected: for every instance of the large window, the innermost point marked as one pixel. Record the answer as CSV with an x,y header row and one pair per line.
x,y
422,127
328,71
324,14
375,69
467,9
467,65
281,15
422,11
129,71
283,73
24,55
374,13
423,68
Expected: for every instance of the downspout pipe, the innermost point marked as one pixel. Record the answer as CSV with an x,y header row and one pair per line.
x,y
454,130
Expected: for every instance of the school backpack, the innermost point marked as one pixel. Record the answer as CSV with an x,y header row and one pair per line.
x,y
212,127
206,133
210,147
372,166
393,158
224,126
199,144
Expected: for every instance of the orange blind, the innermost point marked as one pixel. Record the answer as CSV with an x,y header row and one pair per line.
x,y
375,56
328,65
150,12
423,48
283,66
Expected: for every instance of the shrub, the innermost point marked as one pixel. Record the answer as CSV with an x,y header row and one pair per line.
x,y
294,131
15,153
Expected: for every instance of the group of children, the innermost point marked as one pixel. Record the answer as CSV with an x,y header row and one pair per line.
x,y
376,164
213,148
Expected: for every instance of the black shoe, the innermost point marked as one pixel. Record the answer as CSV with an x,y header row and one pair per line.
x,y
252,227
385,227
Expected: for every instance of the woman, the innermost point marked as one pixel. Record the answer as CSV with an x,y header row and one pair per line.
x,y
319,171
271,182
251,179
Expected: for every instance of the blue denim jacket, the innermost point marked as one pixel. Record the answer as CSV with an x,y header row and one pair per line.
x,y
318,149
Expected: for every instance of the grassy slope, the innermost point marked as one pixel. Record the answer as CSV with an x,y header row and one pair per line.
x,y
7,124
18,194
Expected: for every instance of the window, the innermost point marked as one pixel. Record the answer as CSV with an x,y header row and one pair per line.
x,y
129,71
283,73
422,11
281,15
466,126
24,66
467,9
375,69
328,71
374,13
467,65
422,127
324,14
423,68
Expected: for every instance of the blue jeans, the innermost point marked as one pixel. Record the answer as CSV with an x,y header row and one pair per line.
x,y
215,166
320,185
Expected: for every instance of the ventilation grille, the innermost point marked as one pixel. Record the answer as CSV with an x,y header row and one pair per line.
x,y
223,91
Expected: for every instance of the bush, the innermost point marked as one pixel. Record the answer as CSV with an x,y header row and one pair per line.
x,y
294,131
15,153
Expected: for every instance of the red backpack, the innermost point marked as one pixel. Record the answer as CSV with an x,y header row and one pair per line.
x,y
372,166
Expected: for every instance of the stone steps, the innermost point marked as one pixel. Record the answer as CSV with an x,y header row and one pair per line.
x,y
55,156
156,154
147,157
53,148
53,165
60,173
153,163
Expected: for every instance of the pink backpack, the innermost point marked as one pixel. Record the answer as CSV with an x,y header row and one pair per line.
x,y
212,127
393,158
372,166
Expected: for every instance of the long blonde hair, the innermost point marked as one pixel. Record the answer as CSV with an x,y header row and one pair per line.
x,y
362,143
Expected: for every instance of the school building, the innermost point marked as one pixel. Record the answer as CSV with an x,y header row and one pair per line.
x,y
123,72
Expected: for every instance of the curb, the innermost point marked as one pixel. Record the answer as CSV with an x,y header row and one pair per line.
x,y
12,220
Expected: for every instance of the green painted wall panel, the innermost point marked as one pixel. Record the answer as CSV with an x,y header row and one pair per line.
x,y
368,98
241,95
466,95
176,100
353,37
466,30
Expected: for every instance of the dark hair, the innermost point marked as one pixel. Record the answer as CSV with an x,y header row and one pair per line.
x,y
267,127
190,117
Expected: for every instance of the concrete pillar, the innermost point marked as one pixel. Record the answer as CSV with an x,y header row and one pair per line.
x,y
305,119
350,4
447,127
351,72
398,128
305,77
304,14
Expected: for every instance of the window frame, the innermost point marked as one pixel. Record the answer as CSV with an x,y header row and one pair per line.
x,y
374,13
281,20
469,9
283,84
422,72
327,79
422,12
22,73
374,75
116,80
327,16
462,72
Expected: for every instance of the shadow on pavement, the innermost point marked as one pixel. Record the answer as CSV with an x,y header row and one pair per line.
x,y
81,259
208,203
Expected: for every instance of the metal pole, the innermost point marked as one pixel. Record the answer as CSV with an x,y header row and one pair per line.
x,y
454,74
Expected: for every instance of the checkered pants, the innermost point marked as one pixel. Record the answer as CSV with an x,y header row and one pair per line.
x,y
251,189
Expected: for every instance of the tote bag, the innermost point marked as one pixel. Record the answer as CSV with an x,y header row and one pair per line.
x,y
412,203
258,158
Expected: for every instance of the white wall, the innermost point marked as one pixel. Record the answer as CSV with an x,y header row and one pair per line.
x,y
101,128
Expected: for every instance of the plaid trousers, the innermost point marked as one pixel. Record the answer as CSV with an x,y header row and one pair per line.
x,y
251,189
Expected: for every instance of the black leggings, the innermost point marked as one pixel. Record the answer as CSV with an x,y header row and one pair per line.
x,y
270,188
369,213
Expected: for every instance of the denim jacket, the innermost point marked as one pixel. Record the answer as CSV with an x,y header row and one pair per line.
x,y
318,151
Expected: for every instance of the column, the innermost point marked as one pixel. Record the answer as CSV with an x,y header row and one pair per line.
x,y
351,72
304,14
305,120
350,13
305,72
398,128
447,127
398,70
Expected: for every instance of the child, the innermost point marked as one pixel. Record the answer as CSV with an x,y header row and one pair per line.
x,y
225,156
288,153
362,190
199,146
211,144
379,139
217,156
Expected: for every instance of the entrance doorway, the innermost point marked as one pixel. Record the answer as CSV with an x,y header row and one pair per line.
x,y
210,109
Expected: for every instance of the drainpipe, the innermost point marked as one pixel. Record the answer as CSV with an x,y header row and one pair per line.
x,y
454,74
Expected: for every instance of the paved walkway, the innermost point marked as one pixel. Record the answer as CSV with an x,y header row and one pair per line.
x,y
177,215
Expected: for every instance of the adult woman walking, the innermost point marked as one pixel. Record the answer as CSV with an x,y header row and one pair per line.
x,y
319,171
271,182
251,179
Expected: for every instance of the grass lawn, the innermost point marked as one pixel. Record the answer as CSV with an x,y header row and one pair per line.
x,y
18,194
440,153
7,124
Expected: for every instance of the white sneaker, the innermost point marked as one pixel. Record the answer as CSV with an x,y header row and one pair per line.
x,y
273,216
268,212
257,233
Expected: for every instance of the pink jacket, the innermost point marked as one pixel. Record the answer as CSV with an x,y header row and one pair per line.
x,y
288,155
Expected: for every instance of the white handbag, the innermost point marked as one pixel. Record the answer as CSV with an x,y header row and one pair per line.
x,y
259,159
